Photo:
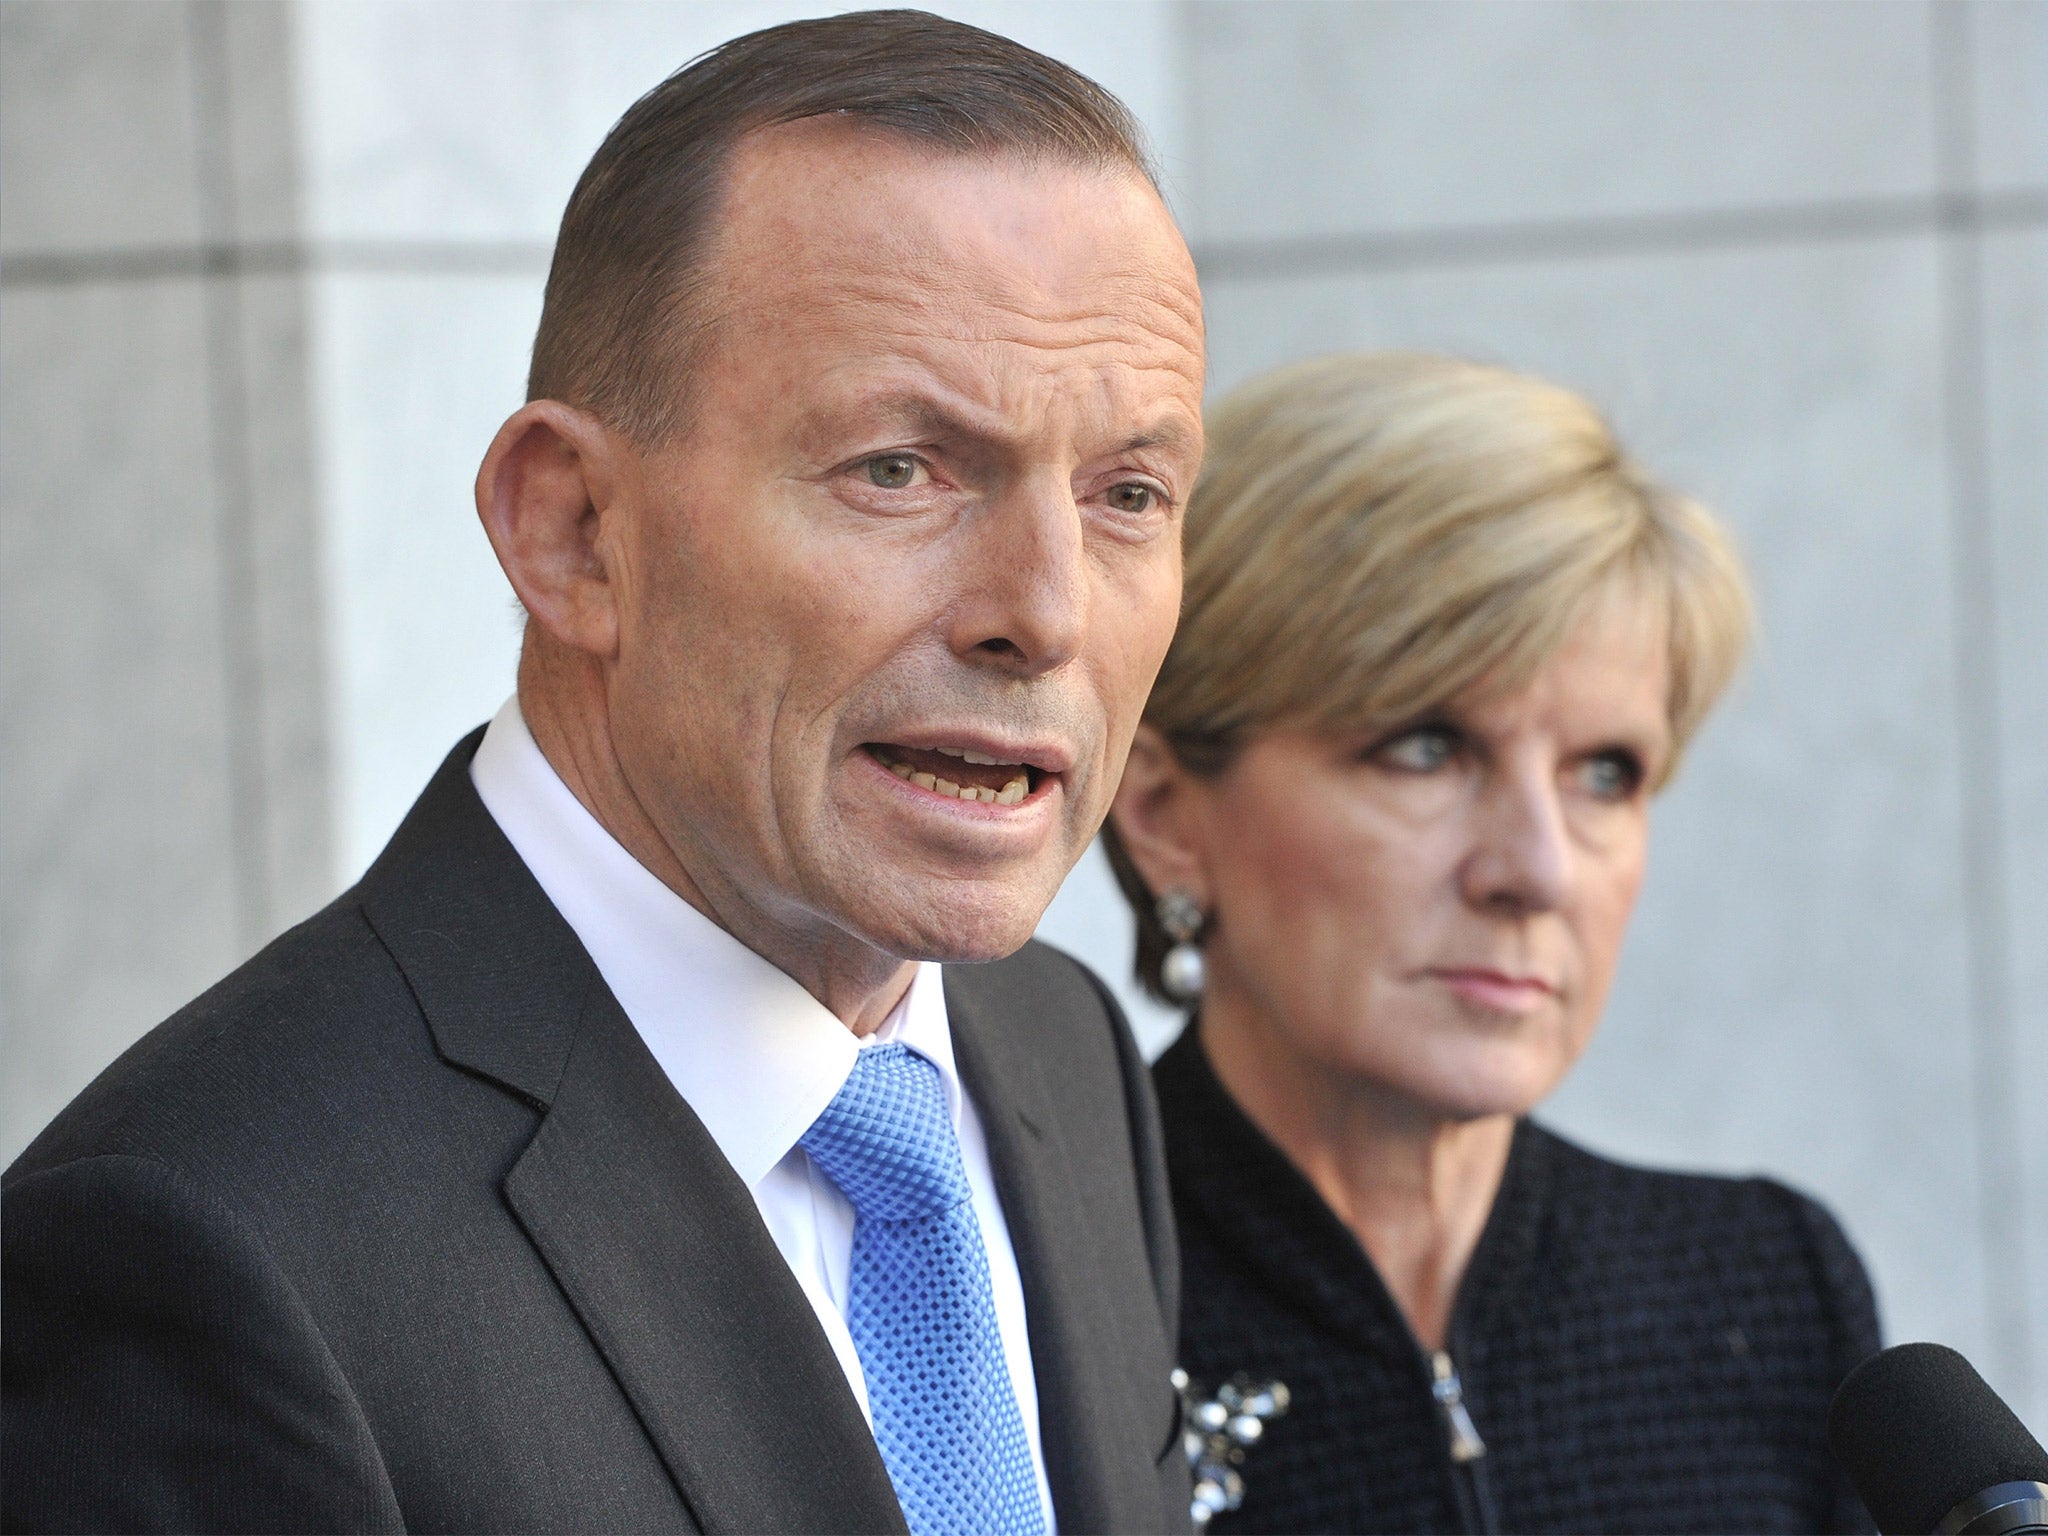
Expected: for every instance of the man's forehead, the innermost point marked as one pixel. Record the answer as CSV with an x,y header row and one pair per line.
x,y
821,216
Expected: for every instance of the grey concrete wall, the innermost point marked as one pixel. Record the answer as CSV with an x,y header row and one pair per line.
x,y
162,736
269,272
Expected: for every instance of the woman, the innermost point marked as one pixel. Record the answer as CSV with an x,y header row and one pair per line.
x,y
1387,818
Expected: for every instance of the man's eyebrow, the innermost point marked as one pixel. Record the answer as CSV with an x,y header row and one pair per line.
x,y
916,411
920,413
1168,434
929,416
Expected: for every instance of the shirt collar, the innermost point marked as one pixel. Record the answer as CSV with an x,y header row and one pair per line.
x,y
751,1052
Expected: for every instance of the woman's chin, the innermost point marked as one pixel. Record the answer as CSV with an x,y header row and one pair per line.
x,y
1498,1078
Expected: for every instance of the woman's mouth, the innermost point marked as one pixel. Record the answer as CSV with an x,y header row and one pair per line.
x,y
1502,991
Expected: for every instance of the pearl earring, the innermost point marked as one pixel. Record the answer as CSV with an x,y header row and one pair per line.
x,y
1182,971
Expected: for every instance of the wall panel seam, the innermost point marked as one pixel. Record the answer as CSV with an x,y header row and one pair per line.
x,y
234,524
1996,1104
1551,240
1334,255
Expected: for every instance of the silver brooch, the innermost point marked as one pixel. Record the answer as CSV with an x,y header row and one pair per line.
x,y
1220,1430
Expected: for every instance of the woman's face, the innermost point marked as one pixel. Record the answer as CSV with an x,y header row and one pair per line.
x,y
1438,910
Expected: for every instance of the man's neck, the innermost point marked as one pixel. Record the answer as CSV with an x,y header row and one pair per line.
x,y
568,720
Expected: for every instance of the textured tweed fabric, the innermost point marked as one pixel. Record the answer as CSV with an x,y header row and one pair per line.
x,y
919,1306
1640,1351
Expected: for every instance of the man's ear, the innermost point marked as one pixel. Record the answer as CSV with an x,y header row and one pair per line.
x,y
1158,820
550,476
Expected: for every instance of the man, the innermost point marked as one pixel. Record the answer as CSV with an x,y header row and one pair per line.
x,y
613,1156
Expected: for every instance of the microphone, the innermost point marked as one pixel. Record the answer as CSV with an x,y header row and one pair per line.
x,y
1934,1451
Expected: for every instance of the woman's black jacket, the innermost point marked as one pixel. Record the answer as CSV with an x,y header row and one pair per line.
x,y
1638,1351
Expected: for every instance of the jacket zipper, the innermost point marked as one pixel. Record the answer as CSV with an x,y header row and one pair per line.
x,y
1468,1451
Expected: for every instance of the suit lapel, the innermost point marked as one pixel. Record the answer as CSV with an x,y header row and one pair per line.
x,y
660,1249
653,1239
1092,1428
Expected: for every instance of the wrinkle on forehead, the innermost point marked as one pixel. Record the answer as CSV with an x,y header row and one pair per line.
x,y
966,306
984,395
1039,255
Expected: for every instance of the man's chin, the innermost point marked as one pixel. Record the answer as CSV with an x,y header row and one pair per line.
x,y
953,922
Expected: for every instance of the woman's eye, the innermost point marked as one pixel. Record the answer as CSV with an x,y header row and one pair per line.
x,y
1422,751
1612,776
1132,497
892,471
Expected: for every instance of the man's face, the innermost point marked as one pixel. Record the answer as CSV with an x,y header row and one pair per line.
x,y
890,607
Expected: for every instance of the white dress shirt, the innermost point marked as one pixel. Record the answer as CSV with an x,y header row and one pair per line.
x,y
751,1052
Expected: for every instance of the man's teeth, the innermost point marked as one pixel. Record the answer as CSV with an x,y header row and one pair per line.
x,y
1009,794
969,757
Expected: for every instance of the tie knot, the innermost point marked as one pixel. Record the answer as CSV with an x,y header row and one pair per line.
x,y
887,1141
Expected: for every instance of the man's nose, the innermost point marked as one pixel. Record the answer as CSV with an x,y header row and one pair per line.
x,y
1521,856
1025,584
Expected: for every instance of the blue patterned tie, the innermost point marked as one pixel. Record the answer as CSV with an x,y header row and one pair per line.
x,y
919,1307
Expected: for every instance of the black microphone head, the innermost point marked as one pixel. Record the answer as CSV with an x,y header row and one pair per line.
x,y
1918,1431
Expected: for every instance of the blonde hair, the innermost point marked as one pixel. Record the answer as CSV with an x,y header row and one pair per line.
x,y
1375,534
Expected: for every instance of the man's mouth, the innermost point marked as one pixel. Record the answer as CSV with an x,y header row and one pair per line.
x,y
958,773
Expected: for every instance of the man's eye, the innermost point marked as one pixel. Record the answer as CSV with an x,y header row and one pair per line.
x,y
1419,751
1611,776
1132,496
892,471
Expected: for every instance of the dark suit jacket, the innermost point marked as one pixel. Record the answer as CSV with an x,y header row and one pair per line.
x,y
401,1227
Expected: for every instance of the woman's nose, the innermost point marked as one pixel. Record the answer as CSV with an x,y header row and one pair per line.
x,y
1520,857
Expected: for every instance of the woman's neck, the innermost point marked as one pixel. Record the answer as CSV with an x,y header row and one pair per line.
x,y
1415,1187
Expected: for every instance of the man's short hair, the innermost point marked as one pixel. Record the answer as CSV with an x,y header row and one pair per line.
x,y
626,303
